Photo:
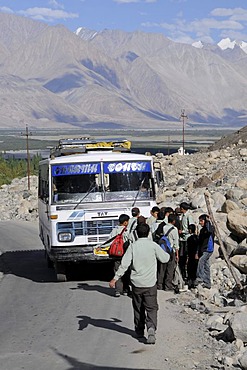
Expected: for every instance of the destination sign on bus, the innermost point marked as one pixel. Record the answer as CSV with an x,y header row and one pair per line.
x,y
75,169
121,167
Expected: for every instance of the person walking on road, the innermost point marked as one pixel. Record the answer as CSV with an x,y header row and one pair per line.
x,y
142,256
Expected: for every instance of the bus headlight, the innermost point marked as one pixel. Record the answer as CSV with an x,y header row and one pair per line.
x,y
65,237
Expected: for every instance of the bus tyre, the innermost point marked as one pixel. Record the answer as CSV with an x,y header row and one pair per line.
x,y
60,271
48,261
61,278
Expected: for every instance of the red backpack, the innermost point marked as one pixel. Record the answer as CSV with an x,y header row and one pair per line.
x,y
117,246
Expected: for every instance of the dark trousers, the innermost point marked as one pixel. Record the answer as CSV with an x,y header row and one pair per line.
x,y
166,273
183,254
145,306
192,268
122,284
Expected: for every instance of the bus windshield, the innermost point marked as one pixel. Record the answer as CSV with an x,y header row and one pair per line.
x,y
128,186
91,182
71,189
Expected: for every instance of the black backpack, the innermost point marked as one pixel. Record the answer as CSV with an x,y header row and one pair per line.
x,y
158,233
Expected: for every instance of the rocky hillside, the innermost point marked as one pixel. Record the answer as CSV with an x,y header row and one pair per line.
x,y
238,138
221,173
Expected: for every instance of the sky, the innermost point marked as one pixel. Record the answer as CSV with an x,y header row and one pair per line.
x,y
184,21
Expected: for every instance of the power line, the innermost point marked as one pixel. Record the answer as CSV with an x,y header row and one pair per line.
x,y
183,118
27,134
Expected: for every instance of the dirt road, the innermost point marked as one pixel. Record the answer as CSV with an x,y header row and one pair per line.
x,y
79,324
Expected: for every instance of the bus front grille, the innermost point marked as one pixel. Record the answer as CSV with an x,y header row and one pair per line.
x,y
93,228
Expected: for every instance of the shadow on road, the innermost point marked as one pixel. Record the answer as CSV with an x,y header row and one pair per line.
x,y
89,270
32,265
85,321
78,365
29,264
89,287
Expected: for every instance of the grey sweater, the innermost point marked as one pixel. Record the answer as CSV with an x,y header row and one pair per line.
x,y
142,256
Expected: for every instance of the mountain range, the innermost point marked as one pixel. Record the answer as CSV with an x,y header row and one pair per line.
x,y
51,77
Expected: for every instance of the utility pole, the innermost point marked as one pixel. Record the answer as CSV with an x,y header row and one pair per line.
x,y
183,117
27,134
168,146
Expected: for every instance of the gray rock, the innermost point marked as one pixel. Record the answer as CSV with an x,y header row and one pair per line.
x,y
229,206
238,324
202,182
237,222
243,361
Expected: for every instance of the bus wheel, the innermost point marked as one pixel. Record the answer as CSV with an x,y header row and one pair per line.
x,y
48,261
60,271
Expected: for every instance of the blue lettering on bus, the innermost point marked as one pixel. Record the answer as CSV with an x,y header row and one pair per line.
x,y
123,167
75,169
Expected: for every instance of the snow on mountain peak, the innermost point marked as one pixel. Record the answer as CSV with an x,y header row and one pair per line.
x,y
226,44
198,44
85,33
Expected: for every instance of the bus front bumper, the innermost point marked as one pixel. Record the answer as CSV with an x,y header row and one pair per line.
x,y
75,254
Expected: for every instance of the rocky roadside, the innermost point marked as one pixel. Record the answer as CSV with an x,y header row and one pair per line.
x,y
222,173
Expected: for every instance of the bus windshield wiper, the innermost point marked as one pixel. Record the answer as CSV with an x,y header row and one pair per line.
x,y
91,188
138,192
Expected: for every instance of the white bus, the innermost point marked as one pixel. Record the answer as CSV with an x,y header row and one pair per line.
x,y
84,186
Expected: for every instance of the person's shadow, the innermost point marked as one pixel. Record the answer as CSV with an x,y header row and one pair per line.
x,y
112,324
75,364
92,288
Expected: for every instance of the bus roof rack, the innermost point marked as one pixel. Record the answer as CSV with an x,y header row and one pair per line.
x,y
83,145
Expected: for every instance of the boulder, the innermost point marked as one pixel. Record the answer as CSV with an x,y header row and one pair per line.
x,y
202,182
237,222
242,184
238,324
218,175
228,206
240,262
243,360
234,194
219,199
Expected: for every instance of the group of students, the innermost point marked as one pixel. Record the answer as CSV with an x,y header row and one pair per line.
x,y
138,273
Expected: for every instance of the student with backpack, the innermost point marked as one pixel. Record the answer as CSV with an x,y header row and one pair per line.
x,y
135,213
141,256
157,227
205,251
123,284
170,242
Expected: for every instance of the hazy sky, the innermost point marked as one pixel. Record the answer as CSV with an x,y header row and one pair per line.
x,y
180,20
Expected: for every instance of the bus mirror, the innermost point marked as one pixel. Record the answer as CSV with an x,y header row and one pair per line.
x,y
106,181
159,178
97,180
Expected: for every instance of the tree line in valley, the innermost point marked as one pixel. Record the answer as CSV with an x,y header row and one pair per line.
x,y
17,168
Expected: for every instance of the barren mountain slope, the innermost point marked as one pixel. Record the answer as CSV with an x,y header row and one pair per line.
x,y
50,76
238,138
